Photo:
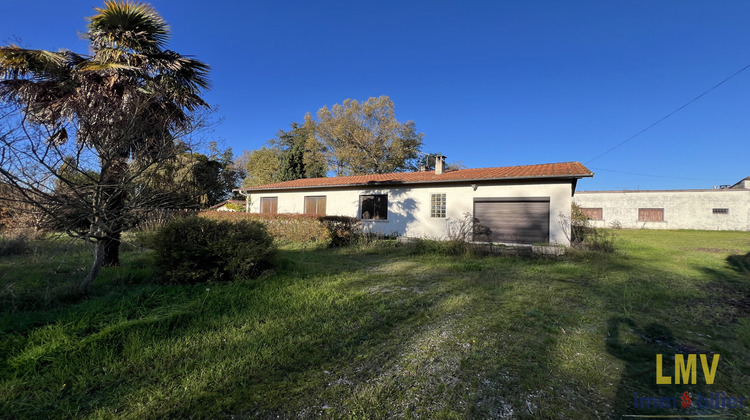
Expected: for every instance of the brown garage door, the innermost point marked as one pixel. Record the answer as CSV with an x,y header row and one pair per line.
x,y
517,220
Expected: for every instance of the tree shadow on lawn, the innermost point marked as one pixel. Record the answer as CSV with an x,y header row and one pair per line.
x,y
231,351
623,299
200,372
740,263
709,313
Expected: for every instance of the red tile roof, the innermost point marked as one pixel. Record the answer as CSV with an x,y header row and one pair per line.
x,y
566,170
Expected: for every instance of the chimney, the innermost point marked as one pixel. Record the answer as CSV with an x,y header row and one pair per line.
x,y
439,164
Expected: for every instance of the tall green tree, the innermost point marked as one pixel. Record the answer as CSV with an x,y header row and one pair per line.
x,y
117,111
365,138
261,166
291,155
301,154
195,180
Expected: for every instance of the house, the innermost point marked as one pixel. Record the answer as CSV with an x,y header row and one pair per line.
x,y
227,205
722,208
515,204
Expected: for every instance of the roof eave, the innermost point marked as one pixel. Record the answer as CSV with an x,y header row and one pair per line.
x,y
384,183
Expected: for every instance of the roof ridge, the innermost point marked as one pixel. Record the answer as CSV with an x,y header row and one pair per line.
x,y
538,170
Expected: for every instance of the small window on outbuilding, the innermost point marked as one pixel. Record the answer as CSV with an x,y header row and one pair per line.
x,y
437,205
650,215
721,211
374,206
592,213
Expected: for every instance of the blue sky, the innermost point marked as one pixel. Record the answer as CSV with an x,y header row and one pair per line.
x,y
489,83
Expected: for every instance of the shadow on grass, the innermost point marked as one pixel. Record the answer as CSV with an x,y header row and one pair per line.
x,y
350,332
740,263
208,367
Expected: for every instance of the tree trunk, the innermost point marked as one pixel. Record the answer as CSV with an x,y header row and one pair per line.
x,y
85,287
114,213
112,251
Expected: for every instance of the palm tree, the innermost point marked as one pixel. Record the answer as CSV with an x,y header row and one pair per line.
x,y
123,103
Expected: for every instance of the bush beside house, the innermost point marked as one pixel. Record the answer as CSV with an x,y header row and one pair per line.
x,y
193,250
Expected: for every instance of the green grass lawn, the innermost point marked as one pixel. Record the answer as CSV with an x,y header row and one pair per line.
x,y
378,331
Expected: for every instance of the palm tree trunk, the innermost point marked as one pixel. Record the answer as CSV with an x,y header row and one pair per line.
x,y
112,250
115,211
85,287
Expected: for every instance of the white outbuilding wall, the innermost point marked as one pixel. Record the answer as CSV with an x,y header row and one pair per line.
x,y
409,206
719,209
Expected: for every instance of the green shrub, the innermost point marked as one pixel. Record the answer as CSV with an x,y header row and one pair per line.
x,y
585,236
451,247
193,249
600,240
284,228
579,225
14,245
343,230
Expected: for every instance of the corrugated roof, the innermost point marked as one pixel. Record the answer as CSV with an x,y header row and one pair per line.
x,y
547,170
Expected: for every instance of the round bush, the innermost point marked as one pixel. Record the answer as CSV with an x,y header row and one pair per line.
x,y
193,250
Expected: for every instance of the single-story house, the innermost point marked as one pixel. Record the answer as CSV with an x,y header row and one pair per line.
x,y
514,204
724,207
227,205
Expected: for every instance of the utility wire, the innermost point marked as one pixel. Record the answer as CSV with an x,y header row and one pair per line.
x,y
670,114
652,176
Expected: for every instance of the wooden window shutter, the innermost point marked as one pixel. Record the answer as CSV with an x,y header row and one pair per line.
x,y
650,215
592,213
269,205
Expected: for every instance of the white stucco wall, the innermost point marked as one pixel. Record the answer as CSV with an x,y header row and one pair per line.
x,y
691,209
409,207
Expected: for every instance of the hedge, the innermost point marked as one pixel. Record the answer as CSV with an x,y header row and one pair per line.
x,y
298,228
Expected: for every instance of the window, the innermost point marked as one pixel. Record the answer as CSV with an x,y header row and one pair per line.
x,y
592,213
269,205
721,211
650,215
315,205
373,206
437,205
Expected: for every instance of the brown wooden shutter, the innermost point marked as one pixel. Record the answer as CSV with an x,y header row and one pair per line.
x,y
315,205
269,205
321,209
650,215
592,213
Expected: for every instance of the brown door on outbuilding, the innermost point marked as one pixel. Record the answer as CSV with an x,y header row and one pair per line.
x,y
512,220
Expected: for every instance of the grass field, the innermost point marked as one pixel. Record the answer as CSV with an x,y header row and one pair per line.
x,y
378,331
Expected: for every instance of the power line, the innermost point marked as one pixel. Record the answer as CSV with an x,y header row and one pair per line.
x,y
670,114
652,176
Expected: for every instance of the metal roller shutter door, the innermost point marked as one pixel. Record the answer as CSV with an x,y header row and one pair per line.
x,y
521,221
